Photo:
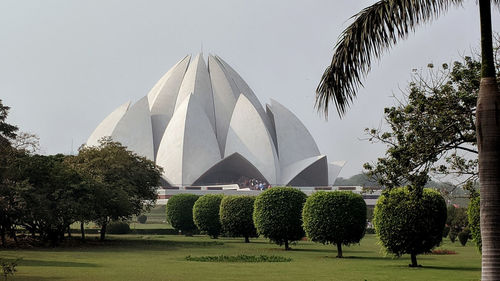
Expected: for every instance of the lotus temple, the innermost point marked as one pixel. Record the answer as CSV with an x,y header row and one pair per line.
x,y
204,125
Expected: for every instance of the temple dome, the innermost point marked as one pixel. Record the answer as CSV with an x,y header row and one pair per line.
x,y
203,124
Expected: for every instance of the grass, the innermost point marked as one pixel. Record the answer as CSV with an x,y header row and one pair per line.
x,y
163,257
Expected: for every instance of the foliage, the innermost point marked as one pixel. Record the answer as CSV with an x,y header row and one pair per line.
x,y
7,131
206,214
118,227
409,222
239,258
434,120
463,236
142,219
278,214
236,216
337,217
9,267
456,220
123,183
474,217
180,212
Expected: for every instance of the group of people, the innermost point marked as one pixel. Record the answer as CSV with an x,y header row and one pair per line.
x,y
253,184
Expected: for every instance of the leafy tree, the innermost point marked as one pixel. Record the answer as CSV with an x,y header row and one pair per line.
x,y
378,27
474,216
206,214
337,217
278,215
142,219
407,222
236,216
435,120
123,183
180,212
456,220
7,131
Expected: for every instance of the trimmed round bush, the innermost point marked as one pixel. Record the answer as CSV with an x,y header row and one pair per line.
x,y
410,222
463,236
118,227
142,219
236,216
278,215
474,221
206,214
180,212
337,217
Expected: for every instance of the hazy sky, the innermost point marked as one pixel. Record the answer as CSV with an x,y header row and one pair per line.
x,y
65,65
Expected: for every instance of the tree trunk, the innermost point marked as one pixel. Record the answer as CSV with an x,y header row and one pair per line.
x,y
2,234
286,245
103,231
247,240
488,142
413,261
82,229
69,231
339,250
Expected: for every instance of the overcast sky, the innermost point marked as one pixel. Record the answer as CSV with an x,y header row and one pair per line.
x,y
65,65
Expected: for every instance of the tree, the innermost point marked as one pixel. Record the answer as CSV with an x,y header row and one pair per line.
x,y
474,218
410,223
433,121
337,217
123,183
206,214
378,27
456,220
236,216
278,215
180,212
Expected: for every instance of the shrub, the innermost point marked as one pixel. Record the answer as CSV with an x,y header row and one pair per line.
x,y
118,227
180,212
236,216
278,215
410,222
337,217
239,258
206,214
453,236
142,219
464,236
474,221
456,221
446,231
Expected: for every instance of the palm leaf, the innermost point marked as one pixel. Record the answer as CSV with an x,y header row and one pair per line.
x,y
375,29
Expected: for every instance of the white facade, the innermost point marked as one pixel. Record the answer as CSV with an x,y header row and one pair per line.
x,y
204,125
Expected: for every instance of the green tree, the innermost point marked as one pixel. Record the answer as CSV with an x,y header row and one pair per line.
x,y
278,215
456,220
236,216
180,212
474,217
378,27
337,217
410,223
435,120
206,214
123,183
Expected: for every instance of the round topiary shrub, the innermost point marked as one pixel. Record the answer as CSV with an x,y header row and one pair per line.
x,y
337,217
118,227
236,216
474,221
142,219
206,214
180,212
278,215
464,236
410,222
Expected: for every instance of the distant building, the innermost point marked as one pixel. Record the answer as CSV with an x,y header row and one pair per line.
x,y
204,125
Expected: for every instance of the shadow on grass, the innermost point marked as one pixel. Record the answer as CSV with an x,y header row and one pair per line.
x,y
454,268
28,262
19,277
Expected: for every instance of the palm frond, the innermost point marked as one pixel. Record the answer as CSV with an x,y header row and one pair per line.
x,y
374,29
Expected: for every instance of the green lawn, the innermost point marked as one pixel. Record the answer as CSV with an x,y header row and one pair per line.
x,y
137,257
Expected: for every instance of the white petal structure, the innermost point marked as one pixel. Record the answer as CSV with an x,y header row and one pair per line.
x,y
204,125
